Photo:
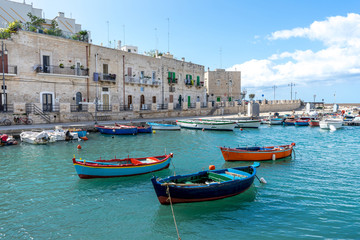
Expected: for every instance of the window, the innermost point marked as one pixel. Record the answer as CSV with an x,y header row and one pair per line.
x,y
105,68
154,99
105,89
46,64
153,75
129,71
142,74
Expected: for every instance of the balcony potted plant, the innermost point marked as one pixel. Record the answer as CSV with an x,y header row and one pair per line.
x,y
72,67
81,67
61,65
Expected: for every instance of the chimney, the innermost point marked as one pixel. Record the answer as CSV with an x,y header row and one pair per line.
x,y
119,44
61,14
183,59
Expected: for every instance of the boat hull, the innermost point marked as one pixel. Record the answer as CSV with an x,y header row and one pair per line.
x,y
327,124
248,123
299,124
224,126
208,192
144,129
272,153
159,126
275,121
87,171
117,130
314,123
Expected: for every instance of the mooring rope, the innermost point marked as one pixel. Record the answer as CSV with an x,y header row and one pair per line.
x,y
172,210
173,166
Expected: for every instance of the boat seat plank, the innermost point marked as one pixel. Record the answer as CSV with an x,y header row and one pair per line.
x,y
235,174
241,173
218,178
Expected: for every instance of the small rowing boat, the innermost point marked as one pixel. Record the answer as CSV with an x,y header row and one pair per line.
x,y
256,153
120,167
205,185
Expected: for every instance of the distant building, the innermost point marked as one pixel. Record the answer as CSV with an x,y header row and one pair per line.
x,y
11,11
130,49
223,85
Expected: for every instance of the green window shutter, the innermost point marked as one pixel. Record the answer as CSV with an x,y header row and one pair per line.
x,y
190,77
173,77
218,99
198,80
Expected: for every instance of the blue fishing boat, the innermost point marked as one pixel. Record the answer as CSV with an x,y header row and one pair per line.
x,y
303,121
120,167
160,126
81,133
140,129
205,185
116,130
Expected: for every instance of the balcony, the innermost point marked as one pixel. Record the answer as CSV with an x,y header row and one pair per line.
x,y
172,80
142,81
9,70
204,105
71,71
107,77
189,83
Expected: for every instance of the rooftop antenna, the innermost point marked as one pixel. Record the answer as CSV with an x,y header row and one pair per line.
x,y
168,19
156,39
108,32
124,33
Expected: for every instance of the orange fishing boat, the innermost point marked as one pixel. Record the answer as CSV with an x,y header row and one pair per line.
x,y
257,153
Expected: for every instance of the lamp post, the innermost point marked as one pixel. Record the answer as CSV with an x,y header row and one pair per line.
x,y
291,85
3,52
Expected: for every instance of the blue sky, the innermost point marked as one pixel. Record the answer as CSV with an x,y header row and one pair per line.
x,y
313,44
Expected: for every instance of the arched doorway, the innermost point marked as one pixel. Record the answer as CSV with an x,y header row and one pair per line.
x,y
129,101
78,99
142,101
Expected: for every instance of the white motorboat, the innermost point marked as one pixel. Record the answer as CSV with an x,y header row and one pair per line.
x,y
59,134
36,137
275,121
331,124
248,123
207,124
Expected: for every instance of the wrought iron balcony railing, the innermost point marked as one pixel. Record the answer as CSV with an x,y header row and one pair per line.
x,y
61,70
9,70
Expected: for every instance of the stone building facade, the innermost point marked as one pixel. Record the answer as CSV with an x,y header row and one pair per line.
x,y
223,85
58,79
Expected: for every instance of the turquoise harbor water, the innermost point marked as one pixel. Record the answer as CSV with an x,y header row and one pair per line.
x,y
314,196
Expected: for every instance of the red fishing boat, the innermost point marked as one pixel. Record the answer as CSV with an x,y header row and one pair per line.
x,y
314,123
256,153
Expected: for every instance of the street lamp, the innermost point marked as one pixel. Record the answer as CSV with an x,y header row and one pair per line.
x,y
3,53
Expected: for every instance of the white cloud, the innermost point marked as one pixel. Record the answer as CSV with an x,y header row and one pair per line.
x,y
339,57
